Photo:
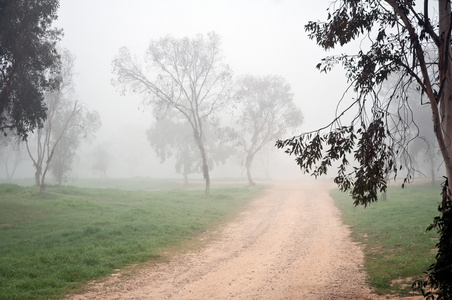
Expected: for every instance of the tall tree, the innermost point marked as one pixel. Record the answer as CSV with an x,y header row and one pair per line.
x,y
265,112
66,119
28,59
189,78
400,37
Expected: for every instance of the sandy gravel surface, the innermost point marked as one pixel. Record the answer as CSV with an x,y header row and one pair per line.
x,y
288,244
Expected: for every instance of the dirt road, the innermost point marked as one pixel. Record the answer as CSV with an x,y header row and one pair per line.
x,y
288,244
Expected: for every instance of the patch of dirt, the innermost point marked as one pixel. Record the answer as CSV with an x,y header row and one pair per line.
x,y
288,244
403,282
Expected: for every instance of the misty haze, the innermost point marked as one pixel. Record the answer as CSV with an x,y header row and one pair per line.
x,y
223,149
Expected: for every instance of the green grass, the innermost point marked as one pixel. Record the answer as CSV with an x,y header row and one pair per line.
x,y
53,243
140,183
397,247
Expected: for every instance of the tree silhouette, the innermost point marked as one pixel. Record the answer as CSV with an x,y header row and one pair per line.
x,y
190,79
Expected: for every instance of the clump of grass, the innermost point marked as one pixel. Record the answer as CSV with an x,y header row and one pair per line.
x,y
54,242
397,247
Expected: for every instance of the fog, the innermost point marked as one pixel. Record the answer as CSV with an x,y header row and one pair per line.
x,y
257,38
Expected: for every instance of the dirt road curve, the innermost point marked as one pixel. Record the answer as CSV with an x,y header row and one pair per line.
x,y
289,244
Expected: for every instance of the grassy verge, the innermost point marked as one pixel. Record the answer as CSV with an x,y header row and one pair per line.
x,y
142,183
397,247
52,243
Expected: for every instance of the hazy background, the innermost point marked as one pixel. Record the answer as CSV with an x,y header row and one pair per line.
x,y
258,38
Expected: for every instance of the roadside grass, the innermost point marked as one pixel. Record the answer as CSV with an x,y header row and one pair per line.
x,y
53,243
142,183
397,247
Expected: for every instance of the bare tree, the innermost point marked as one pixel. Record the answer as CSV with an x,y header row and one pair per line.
x,y
265,112
189,78
64,115
81,128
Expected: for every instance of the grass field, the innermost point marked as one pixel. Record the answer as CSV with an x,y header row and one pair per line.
x,y
397,247
52,243
145,183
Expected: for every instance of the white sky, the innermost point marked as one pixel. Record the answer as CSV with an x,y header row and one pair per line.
x,y
258,37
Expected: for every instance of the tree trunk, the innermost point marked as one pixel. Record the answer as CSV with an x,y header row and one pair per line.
x,y
442,117
249,159
185,172
15,165
383,195
8,177
42,186
185,179
38,176
205,167
445,81
432,166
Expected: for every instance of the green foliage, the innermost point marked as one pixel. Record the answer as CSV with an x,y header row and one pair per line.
x,y
353,19
27,57
372,154
439,279
370,150
397,247
54,242
346,24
